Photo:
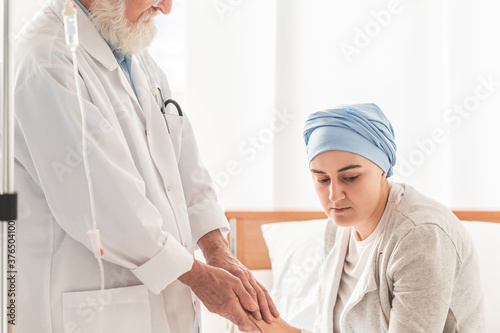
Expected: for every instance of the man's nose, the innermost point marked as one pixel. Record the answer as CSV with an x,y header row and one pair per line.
x,y
165,6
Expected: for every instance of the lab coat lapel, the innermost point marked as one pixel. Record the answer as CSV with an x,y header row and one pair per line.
x,y
331,275
144,91
158,137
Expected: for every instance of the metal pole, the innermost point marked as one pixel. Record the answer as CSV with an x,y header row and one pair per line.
x,y
7,196
8,110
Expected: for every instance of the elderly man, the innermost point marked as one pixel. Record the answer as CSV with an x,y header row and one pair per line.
x,y
154,202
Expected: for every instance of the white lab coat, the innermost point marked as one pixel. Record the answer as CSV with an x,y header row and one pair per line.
x,y
154,199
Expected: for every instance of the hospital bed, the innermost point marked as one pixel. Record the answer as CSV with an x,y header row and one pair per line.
x,y
284,250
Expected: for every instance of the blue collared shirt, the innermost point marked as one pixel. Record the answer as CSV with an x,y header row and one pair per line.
x,y
123,59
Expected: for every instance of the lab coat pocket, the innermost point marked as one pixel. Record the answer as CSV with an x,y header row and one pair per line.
x,y
125,310
174,123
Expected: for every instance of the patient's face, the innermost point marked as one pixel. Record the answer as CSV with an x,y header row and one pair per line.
x,y
352,190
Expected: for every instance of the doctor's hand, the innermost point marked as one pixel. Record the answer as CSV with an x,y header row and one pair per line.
x,y
216,251
277,326
222,293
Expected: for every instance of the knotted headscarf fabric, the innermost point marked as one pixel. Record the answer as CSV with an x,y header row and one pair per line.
x,y
361,129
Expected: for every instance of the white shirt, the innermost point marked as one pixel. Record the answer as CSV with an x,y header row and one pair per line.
x,y
357,256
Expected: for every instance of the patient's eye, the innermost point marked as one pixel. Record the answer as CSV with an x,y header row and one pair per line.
x,y
350,179
322,180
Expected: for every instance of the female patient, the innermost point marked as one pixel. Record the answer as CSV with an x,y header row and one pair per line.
x,y
397,261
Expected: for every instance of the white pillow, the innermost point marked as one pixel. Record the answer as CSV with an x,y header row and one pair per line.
x,y
296,250
486,238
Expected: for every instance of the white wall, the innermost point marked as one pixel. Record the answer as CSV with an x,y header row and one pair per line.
x,y
475,138
416,63
230,95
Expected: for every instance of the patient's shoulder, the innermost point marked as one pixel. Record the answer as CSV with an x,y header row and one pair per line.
x,y
417,212
416,208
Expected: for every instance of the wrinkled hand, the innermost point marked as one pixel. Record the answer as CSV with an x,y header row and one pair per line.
x,y
277,326
217,254
226,261
222,293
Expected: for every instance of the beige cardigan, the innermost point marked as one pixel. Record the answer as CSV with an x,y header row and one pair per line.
x,y
423,277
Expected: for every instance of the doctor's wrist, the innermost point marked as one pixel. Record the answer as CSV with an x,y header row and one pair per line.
x,y
195,273
213,244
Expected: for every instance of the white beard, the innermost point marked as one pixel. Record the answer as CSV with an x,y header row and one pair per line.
x,y
115,28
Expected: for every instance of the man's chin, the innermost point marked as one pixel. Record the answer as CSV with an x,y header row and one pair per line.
x,y
137,41
117,30
133,49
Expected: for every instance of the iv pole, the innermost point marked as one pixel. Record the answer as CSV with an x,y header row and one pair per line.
x,y
8,198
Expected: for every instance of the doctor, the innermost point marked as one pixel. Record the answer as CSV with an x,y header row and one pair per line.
x,y
397,260
154,199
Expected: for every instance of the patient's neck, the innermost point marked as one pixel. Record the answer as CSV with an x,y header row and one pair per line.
x,y
366,228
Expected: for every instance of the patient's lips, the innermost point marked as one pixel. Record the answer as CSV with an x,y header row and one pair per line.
x,y
338,210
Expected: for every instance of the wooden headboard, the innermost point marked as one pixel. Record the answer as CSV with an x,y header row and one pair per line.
x,y
248,245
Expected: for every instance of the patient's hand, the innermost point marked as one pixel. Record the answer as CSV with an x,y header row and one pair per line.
x,y
277,326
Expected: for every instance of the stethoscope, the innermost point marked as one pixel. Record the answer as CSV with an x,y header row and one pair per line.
x,y
164,104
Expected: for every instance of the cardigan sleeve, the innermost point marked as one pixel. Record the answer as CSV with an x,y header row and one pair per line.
x,y
423,268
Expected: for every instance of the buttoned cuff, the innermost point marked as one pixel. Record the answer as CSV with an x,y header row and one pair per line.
x,y
205,217
165,267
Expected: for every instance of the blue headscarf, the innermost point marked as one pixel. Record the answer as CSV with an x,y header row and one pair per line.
x,y
361,129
